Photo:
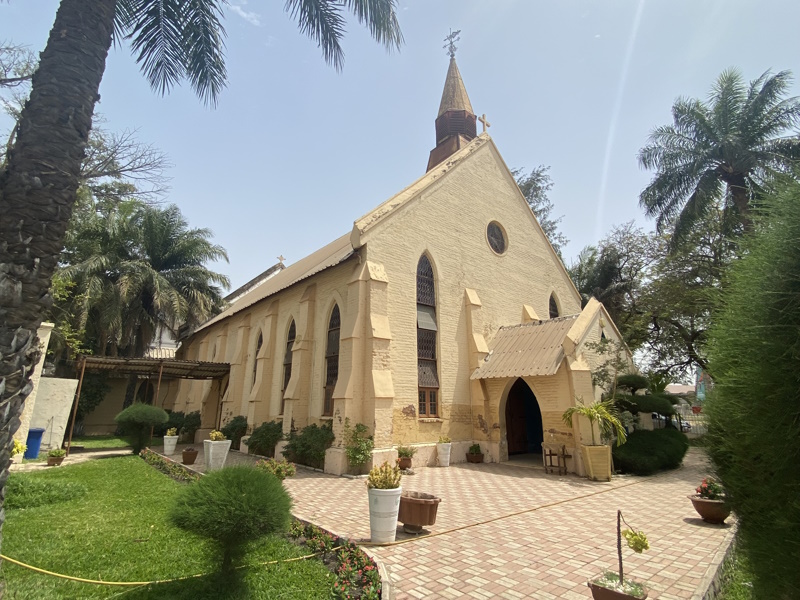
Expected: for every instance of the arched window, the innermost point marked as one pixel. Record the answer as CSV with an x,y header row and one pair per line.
x,y
287,363
331,360
259,343
145,393
553,306
428,378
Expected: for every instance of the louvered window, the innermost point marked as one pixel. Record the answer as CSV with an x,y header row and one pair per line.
x,y
255,356
287,364
331,360
427,372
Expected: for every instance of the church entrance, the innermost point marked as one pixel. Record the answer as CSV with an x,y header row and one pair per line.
x,y
524,431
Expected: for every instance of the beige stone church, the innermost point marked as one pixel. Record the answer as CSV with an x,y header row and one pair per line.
x,y
444,312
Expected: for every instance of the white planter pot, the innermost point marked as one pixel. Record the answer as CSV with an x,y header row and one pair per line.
x,y
443,454
383,507
170,441
215,453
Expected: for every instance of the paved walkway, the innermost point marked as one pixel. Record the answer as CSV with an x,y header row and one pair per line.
x,y
511,531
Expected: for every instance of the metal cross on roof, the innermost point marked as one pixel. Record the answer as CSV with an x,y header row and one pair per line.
x,y
485,122
451,40
281,259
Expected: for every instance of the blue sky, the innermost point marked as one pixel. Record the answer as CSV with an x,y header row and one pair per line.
x,y
295,152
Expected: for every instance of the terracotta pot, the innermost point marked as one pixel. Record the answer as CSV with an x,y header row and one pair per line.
x,y
474,458
697,409
602,593
54,461
404,462
189,456
417,510
711,511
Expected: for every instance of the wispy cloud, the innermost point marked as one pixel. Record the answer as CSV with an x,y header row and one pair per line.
x,y
251,17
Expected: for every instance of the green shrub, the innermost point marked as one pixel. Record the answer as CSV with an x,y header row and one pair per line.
x,y
280,468
308,446
176,419
191,423
232,507
235,429
265,437
357,444
26,491
652,403
647,452
137,421
633,382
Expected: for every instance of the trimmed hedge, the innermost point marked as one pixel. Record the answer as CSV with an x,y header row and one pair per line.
x,y
235,429
137,421
264,438
647,452
308,446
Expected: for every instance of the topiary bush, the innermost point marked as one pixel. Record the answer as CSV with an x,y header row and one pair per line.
x,y
137,421
265,437
633,382
235,429
308,446
231,507
191,423
647,452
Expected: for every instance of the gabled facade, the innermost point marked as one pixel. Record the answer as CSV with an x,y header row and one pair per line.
x,y
401,324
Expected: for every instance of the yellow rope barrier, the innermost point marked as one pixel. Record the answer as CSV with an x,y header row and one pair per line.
x,y
141,583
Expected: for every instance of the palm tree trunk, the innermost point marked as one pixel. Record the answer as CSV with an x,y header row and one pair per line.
x,y
741,200
37,191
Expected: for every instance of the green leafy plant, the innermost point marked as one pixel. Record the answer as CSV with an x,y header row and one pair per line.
x,y
308,446
57,453
443,439
232,507
217,436
171,432
264,438
647,452
603,413
280,468
384,477
475,449
175,421
357,444
636,541
406,452
19,448
235,429
710,490
191,423
137,421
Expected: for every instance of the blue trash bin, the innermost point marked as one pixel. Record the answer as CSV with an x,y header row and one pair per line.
x,y
34,442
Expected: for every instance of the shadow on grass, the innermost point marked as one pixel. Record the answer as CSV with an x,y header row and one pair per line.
x,y
224,586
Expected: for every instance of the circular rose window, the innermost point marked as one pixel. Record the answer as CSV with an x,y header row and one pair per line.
x,y
497,237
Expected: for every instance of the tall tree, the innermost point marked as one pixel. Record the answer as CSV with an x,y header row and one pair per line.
x,y
754,410
174,40
722,151
534,186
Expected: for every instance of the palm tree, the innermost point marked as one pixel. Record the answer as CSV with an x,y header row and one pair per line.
x,y
174,40
720,152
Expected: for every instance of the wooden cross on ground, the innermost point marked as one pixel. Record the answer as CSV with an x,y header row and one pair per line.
x,y
485,122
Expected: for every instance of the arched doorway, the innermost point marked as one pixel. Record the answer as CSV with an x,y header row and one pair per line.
x,y
524,431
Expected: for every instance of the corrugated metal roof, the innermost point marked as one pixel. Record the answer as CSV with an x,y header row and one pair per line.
x,y
526,350
151,367
327,256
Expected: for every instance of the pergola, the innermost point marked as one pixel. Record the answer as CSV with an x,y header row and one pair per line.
x,y
146,367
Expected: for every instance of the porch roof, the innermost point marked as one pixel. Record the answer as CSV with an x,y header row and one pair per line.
x,y
526,350
151,367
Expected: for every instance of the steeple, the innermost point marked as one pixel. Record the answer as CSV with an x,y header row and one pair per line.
x,y
455,123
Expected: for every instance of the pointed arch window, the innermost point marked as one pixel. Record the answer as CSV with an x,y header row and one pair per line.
x,y
331,360
146,393
553,306
427,371
287,363
259,343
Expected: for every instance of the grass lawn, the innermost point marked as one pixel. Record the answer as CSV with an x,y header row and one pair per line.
x,y
112,525
736,577
100,442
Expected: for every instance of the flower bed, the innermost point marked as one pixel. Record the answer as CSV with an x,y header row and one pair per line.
x,y
168,466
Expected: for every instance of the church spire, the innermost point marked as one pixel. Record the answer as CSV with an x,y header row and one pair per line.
x,y
455,123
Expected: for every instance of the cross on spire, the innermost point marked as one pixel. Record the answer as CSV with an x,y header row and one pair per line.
x,y
451,40
485,122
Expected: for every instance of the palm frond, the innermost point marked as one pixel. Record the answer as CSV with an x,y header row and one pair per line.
x,y
322,21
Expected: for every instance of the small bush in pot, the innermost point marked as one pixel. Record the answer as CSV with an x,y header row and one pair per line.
x,y
710,502
443,451
475,454
383,488
55,456
137,421
384,477
404,456
189,455
616,582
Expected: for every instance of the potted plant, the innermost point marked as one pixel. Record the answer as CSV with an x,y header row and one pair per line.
x,y
709,502
189,455
215,450
170,441
417,510
597,457
443,451
404,456
614,586
474,454
55,457
383,488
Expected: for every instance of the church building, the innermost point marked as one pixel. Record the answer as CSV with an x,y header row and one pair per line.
x,y
445,311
